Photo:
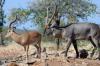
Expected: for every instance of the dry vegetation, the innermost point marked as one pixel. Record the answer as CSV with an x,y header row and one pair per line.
x,y
14,50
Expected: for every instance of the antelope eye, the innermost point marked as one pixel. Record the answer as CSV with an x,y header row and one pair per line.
x,y
48,28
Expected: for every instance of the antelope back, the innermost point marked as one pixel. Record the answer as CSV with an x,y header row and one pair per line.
x,y
33,36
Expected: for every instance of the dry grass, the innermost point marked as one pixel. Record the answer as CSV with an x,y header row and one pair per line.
x,y
10,50
14,50
12,64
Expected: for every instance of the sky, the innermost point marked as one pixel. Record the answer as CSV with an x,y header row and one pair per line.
x,y
9,4
95,18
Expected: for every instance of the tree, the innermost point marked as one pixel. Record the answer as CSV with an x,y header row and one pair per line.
x,y
1,20
23,14
71,9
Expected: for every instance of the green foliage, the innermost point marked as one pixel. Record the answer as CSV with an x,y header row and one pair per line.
x,y
37,11
22,14
80,8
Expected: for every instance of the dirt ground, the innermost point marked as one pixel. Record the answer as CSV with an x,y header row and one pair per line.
x,y
52,60
13,55
68,62
61,62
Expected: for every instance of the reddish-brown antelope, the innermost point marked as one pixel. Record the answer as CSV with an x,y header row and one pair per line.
x,y
25,39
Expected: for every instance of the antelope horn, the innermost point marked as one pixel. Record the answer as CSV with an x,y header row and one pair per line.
x,y
47,16
52,15
13,21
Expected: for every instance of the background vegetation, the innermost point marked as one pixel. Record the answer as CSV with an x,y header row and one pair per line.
x,y
70,11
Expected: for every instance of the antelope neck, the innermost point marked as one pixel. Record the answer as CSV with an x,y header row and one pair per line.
x,y
15,36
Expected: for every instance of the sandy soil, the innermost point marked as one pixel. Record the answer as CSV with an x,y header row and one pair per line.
x,y
60,62
14,55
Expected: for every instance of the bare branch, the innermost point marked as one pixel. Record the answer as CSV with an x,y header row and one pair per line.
x,y
2,2
47,15
53,15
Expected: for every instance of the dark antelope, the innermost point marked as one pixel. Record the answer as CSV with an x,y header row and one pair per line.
x,y
73,32
25,39
79,31
54,18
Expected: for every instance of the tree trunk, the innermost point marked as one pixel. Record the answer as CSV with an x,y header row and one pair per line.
x,y
1,21
1,39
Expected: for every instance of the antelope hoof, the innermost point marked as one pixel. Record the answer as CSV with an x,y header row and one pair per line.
x,y
38,56
98,58
77,56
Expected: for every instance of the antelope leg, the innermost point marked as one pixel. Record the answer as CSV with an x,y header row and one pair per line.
x,y
26,48
38,51
67,46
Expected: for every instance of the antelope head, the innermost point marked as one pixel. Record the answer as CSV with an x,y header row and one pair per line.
x,y
9,32
50,25
11,29
47,28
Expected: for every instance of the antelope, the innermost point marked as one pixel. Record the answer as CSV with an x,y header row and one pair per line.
x,y
55,18
73,32
26,39
78,31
